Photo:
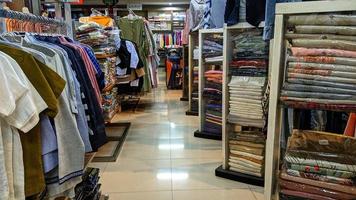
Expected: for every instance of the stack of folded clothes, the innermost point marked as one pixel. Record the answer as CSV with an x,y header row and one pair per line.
x,y
246,101
247,149
213,48
102,41
249,45
319,165
93,35
89,188
256,67
195,90
213,97
321,62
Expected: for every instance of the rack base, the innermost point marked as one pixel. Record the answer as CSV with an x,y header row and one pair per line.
x,y
192,113
202,134
184,99
240,177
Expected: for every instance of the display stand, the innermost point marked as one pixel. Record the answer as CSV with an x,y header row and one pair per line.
x,y
185,74
223,171
202,69
193,42
276,111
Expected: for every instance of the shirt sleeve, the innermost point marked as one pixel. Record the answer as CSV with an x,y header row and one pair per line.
x,y
11,89
134,56
28,106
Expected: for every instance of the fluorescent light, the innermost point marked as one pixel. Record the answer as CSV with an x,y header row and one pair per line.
x,y
170,4
173,125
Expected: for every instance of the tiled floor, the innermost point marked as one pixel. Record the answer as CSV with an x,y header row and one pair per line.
x,y
162,160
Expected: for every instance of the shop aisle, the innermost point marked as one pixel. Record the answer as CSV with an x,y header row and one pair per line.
x,y
162,160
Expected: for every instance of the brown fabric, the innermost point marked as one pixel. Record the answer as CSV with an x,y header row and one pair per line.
x,y
250,144
49,85
140,72
314,190
305,195
315,141
319,36
331,186
260,162
247,149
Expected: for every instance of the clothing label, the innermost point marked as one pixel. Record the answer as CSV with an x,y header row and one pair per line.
x,y
323,142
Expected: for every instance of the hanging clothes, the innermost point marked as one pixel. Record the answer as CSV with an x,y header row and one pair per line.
x,y
134,30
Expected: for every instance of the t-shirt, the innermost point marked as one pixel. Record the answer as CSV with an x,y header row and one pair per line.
x,y
49,85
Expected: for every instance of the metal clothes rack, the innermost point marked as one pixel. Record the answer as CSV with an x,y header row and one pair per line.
x,y
28,17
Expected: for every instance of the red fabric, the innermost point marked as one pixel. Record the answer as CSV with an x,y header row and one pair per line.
x,y
350,127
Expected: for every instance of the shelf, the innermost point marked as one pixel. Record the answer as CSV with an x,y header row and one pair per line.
x,y
206,135
191,113
240,177
88,158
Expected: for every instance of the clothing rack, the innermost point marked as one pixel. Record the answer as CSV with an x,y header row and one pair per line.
x,y
30,17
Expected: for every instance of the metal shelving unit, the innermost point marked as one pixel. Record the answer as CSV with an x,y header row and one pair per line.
x,y
202,68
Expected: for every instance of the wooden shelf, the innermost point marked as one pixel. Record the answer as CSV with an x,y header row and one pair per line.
x,y
88,158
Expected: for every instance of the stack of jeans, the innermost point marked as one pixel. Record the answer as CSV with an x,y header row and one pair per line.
x,y
320,71
213,97
89,188
319,165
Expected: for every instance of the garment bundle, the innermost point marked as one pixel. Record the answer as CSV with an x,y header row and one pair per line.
x,y
51,86
169,39
320,67
246,96
212,95
246,152
319,165
212,49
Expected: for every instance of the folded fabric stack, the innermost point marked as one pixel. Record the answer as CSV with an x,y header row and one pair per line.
x,y
321,62
319,165
103,43
246,101
213,97
89,188
247,149
195,90
93,35
256,67
213,49
250,45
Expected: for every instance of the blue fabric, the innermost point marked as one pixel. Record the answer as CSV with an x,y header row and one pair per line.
x,y
81,118
270,16
100,77
49,144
